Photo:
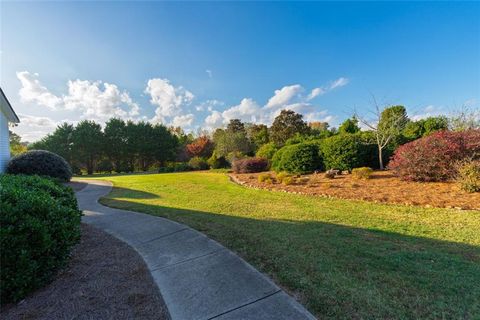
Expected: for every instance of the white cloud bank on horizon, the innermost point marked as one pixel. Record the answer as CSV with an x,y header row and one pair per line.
x,y
289,97
99,101
96,100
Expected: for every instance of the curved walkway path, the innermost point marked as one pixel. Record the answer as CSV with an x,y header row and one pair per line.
x,y
197,277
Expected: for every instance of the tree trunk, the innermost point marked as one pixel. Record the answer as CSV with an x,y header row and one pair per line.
x,y
380,157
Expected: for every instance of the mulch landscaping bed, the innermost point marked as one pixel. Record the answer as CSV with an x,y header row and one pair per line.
x,y
105,279
383,186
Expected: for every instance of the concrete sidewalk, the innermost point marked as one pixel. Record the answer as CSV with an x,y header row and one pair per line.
x,y
197,277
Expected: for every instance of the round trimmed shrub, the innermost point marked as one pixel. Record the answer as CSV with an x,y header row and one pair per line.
x,y
434,157
344,152
42,163
40,223
298,158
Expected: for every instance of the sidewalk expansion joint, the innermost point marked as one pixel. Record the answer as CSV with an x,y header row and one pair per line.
x,y
244,305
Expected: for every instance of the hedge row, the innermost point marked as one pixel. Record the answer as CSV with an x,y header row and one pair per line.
x,y
40,222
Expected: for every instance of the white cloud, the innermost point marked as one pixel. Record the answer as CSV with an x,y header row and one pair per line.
x,y
95,99
284,96
209,72
428,111
315,93
214,120
37,122
248,110
340,82
183,121
209,105
33,91
168,99
99,100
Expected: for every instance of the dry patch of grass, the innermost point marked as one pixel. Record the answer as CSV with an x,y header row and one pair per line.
x,y
382,186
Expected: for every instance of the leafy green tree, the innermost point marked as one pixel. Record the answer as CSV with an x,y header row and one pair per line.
x,y
286,125
16,145
115,142
165,144
59,141
235,125
414,129
257,134
423,127
432,124
145,144
349,126
231,141
88,143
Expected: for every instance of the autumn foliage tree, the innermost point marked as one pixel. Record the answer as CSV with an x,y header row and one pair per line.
x,y
200,147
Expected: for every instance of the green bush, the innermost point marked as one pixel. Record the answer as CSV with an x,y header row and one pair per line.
x,y
39,224
217,162
469,176
362,173
344,152
42,163
267,151
298,158
198,163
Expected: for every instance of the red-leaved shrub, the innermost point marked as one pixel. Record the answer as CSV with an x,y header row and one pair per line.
x,y
433,158
249,165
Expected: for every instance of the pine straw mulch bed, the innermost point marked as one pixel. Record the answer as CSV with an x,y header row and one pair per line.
x,y
383,186
105,279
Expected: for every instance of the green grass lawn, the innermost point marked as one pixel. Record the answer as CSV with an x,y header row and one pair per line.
x,y
341,259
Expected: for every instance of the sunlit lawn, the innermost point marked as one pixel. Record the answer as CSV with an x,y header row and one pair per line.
x,y
342,259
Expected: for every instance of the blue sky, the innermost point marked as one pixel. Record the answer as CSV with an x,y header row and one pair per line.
x,y
199,64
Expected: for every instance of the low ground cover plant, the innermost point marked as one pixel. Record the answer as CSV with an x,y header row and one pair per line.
x,y
362,173
434,157
281,175
40,223
250,165
265,177
42,163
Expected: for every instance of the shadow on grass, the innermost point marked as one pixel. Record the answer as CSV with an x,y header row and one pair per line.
x,y
131,194
345,272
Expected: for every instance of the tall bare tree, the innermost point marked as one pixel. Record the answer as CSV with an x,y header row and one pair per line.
x,y
387,124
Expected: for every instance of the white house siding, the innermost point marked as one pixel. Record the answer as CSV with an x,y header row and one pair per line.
x,y
4,142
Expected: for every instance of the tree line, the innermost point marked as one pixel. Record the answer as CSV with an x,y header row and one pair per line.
x,y
127,146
